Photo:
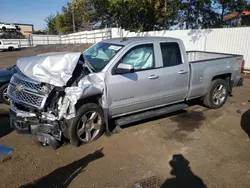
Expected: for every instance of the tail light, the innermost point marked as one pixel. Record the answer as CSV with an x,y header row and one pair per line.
x,y
243,66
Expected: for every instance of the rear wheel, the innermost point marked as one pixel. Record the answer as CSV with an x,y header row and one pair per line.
x,y
3,94
88,125
217,94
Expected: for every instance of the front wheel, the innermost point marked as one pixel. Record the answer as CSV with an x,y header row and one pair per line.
x,y
88,125
3,94
217,94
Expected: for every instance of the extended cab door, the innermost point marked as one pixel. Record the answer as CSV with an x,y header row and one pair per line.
x,y
136,91
174,75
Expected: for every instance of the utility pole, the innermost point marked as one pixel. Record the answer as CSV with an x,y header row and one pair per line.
x,y
73,17
165,16
122,14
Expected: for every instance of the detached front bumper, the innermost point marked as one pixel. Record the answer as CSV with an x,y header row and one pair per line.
x,y
28,123
21,120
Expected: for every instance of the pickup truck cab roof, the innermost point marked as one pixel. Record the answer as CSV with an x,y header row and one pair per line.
x,y
131,40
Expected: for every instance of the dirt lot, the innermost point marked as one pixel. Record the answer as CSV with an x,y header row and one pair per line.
x,y
195,147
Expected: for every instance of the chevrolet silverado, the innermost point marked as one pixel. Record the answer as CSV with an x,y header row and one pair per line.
x,y
76,95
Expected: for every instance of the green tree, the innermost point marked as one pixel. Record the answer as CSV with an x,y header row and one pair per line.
x,y
64,20
196,14
51,24
82,14
143,15
98,11
225,7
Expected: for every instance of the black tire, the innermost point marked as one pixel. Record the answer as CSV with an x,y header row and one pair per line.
x,y
11,48
3,98
209,101
74,123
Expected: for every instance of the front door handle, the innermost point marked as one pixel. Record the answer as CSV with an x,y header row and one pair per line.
x,y
182,72
153,77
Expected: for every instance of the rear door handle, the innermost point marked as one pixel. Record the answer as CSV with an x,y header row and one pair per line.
x,y
153,77
182,72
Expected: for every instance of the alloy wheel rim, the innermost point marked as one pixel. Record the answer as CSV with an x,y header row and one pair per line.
x,y
89,126
5,96
219,94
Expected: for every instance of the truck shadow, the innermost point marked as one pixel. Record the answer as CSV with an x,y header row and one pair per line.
x,y
154,118
63,176
184,177
245,122
5,128
186,120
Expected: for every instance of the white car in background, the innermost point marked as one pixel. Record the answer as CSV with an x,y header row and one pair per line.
x,y
9,27
9,45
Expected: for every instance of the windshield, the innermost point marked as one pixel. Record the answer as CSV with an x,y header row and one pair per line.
x,y
100,54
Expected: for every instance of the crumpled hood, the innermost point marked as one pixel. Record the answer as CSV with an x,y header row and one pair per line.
x,y
54,69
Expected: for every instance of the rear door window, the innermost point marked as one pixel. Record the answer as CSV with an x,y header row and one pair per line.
x,y
171,54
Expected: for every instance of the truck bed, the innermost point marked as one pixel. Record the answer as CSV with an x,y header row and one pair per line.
x,y
205,65
198,56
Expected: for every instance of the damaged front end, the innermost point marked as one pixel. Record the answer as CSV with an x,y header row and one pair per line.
x,y
31,109
44,93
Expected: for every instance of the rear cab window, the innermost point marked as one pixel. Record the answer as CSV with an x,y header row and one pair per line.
x,y
171,54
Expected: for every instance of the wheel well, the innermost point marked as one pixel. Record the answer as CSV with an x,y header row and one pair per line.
x,y
91,99
226,77
3,83
223,76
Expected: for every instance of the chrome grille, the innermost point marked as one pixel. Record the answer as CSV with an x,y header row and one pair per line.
x,y
27,91
26,97
21,80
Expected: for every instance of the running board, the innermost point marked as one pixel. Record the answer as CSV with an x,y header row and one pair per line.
x,y
149,114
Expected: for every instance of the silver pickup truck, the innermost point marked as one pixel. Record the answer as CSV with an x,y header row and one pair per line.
x,y
78,96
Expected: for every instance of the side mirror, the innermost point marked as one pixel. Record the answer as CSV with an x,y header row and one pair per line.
x,y
124,68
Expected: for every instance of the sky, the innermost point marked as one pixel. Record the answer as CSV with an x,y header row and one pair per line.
x,y
29,11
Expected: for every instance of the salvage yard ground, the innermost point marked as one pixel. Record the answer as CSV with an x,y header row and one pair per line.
x,y
210,147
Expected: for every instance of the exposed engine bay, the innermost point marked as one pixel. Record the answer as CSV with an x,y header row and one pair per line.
x,y
45,91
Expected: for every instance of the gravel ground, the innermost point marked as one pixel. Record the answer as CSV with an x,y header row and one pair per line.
x,y
195,147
